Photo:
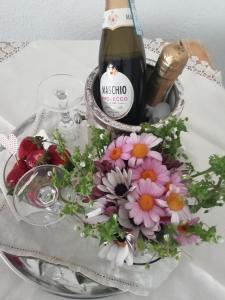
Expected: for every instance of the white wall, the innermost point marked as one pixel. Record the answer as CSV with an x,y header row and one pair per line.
x,y
81,19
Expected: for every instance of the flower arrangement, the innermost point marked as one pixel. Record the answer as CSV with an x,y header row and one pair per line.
x,y
139,193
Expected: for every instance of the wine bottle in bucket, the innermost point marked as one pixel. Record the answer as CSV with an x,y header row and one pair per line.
x,y
122,63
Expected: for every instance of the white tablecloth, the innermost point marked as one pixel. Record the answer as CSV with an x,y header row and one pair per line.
x,y
200,279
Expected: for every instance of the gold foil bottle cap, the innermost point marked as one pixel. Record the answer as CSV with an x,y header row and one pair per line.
x,y
172,61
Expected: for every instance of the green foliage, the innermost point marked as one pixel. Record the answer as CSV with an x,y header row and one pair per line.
x,y
209,190
62,180
61,146
83,170
206,234
217,164
100,138
110,230
88,231
164,248
140,245
170,132
83,162
72,209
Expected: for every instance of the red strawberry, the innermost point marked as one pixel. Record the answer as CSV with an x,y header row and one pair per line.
x,y
28,145
57,158
37,158
18,170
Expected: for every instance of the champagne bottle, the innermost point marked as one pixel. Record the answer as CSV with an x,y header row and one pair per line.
x,y
122,63
169,66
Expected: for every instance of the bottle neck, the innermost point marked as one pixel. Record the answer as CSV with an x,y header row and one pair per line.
x,y
113,4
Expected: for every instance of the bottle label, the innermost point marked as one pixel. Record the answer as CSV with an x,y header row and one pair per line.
x,y
115,18
117,93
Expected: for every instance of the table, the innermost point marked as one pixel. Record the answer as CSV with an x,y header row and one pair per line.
x,y
191,280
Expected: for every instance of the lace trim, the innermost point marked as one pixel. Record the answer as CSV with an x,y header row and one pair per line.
x,y
203,68
195,65
8,49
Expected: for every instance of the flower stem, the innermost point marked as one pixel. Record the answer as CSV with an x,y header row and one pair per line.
x,y
219,182
201,173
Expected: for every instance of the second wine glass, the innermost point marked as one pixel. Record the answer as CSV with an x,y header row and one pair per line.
x,y
61,96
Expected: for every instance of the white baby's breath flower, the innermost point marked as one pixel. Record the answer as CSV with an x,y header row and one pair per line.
x,y
166,237
82,164
175,130
168,138
101,136
166,122
220,240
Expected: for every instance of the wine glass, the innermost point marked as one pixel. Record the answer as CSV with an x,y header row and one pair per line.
x,y
36,198
61,94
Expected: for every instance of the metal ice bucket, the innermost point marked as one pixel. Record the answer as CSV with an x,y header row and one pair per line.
x,y
98,118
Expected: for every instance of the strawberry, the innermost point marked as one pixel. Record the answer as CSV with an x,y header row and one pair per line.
x,y
32,198
28,145
37,158
57,158
18,170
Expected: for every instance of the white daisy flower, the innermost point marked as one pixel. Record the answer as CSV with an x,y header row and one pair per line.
x,y
117,183
118,252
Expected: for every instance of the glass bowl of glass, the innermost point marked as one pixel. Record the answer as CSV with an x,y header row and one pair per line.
x,y
35,197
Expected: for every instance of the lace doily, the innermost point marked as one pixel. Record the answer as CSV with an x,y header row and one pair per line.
x,y
195,65
8,49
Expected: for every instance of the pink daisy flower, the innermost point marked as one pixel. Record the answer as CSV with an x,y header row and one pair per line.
x,y
118,151
183,237
142,147
176,181
126,222
145,206
185,240
176,207
152,169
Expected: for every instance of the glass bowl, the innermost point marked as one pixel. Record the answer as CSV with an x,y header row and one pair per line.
x,y
36,199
